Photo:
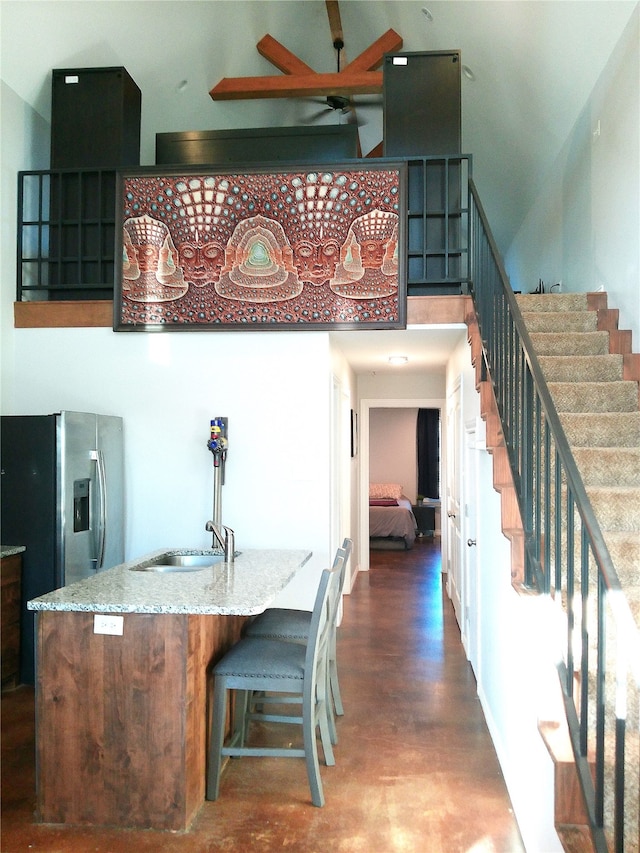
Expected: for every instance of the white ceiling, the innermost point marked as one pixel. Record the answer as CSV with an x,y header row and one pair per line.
x,y
535,64
427,348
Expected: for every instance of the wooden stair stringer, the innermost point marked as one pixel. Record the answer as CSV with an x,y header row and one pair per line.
x,y
511,519
569,811
570,815
620,340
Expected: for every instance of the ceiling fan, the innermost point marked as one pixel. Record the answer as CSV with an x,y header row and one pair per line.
x,y
341,104
299,80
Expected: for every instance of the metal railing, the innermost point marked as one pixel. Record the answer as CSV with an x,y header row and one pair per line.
x,y
67,220
566,559
66,234
438,225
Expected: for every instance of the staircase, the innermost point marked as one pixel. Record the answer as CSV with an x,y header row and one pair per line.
x,y
599,411
595,389
593,378
565,462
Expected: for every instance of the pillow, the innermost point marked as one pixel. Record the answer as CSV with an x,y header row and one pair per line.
x,y
382,491
382,502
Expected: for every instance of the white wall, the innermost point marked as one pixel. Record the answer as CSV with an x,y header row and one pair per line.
x,y
402,384
510,666
274,388
21,146
345,466
392,448
584,228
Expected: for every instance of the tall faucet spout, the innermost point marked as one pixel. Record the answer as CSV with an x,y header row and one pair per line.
x,y
226,542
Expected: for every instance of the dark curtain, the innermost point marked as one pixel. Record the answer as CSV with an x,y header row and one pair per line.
x,y
428,441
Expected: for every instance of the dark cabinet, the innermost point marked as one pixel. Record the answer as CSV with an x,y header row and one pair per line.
x,y
423,122
95,118
95,129
422,103
10,593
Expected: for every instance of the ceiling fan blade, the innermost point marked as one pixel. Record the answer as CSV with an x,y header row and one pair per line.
x,y
318,114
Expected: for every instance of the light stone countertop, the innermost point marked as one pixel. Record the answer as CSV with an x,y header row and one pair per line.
x,y
10,550
243,589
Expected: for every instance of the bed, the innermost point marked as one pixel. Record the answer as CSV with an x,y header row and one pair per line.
x,y
391,519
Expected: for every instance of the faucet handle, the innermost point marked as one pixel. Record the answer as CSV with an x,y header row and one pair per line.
x,y
229,544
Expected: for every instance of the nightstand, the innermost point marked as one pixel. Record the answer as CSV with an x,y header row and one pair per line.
x,y
425,519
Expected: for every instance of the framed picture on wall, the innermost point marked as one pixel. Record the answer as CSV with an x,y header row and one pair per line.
x,y
297,248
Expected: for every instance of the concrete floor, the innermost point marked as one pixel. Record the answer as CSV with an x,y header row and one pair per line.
x,y
415,767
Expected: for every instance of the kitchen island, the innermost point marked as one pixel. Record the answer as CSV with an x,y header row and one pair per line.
x,y
10,606
123,673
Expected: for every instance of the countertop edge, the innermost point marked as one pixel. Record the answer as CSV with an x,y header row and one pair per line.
x,y
10,550
94,595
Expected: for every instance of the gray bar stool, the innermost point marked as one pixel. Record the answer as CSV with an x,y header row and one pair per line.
x,y
280,623
282,672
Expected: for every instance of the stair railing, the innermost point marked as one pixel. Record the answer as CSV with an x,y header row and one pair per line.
x,y
566,559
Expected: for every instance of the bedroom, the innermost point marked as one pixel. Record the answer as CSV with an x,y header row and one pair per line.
x,y
399,472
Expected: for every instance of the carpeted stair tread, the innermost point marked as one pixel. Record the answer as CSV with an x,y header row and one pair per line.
x,y
616,507
624,548
577,343
620,396
605,429
552,302
599,413
634,606
563,321
608,466
582,368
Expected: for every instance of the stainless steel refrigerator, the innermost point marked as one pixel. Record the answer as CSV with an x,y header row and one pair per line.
x,y
62,497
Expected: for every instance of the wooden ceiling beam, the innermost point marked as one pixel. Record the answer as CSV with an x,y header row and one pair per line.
x,y
359,77
278,55
373,56
298,86
335,22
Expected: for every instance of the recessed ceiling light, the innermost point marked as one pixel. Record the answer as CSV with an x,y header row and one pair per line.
x,y
468,73
398,359
427,13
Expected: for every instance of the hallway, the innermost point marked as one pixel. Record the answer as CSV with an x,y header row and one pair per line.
x,y
415,767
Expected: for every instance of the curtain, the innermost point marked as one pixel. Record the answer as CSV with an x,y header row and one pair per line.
x,y
428,444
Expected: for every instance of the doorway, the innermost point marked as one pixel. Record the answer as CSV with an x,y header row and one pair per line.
x,y
366,405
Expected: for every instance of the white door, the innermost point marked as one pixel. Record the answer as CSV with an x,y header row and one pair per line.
x,y
469,550
455,450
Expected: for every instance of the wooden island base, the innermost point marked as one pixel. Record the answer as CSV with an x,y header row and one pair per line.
x,y
121,720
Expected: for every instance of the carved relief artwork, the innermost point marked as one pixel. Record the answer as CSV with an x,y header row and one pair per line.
x,y
297,249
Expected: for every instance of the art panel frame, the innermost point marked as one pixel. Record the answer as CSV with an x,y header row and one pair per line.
x,y
286,247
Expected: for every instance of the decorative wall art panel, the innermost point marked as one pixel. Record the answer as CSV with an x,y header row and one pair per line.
x,y
298,249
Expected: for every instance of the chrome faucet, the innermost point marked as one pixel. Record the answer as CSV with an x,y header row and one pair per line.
x,y
226,542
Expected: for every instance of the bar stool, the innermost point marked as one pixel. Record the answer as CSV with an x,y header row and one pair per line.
x,y
280,623
283,673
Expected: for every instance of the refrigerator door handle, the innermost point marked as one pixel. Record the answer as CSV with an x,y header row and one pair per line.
x,y
98,457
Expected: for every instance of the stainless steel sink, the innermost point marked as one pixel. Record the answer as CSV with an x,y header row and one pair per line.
x,y
167,563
